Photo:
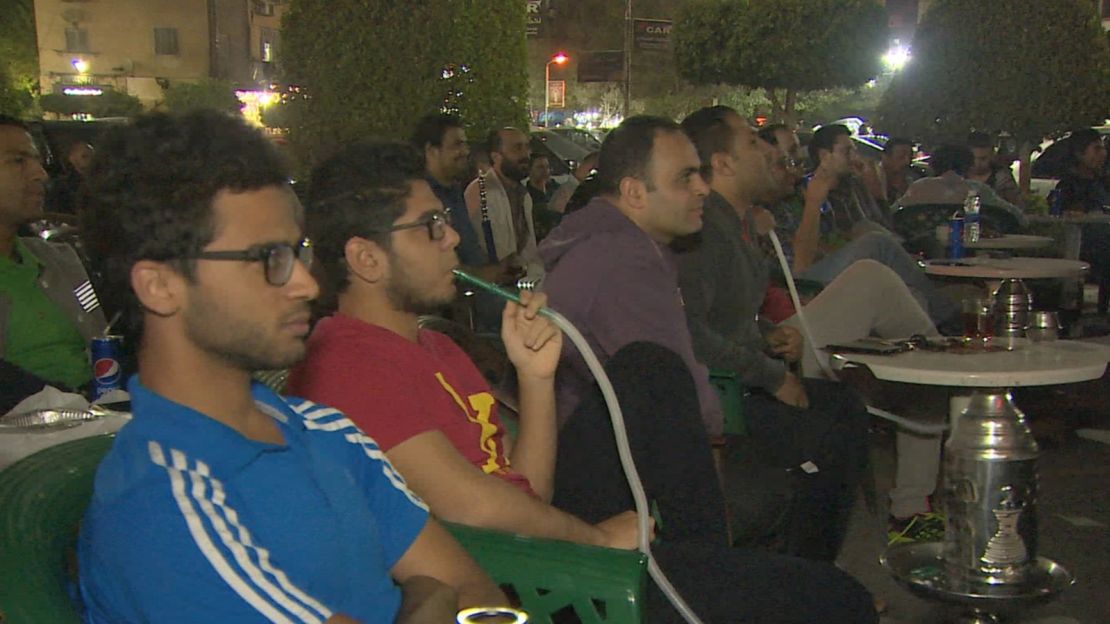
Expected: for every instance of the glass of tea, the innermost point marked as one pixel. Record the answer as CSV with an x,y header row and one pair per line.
x,y
978,316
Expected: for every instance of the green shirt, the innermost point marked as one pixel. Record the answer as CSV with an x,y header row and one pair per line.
x,y
39,337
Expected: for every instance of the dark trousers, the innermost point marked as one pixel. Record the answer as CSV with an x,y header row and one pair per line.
x,y
672,455
832,436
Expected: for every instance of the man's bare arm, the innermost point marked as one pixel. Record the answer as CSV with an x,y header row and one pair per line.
x,y
436,554
425,600
533,344
808,235
458,492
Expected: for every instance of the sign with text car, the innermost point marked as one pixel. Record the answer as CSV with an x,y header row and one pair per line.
x,y
534,13
652,34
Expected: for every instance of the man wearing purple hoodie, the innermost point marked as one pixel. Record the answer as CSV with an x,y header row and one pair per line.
x,y
611,272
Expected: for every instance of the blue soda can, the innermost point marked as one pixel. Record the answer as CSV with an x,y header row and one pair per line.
x,y
956,236
106,369
1055,203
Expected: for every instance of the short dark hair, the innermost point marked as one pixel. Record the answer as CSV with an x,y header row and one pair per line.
x,y
150,191
627,150
825,139
769,133
1077,142
15,122
979,139
534,156
360,191
896,142
430,129
947,158
493,139
710,133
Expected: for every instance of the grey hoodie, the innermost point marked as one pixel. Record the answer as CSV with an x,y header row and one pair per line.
x,y
617,286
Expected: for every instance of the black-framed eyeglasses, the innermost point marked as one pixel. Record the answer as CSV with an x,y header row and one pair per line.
x,y
279,259
436,222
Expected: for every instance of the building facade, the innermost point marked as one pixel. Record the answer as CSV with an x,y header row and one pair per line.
x,y
141,47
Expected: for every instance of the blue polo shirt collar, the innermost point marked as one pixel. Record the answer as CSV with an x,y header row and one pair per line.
x,y
226,450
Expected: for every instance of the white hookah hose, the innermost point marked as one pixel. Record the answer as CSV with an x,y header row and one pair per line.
x,y
627,463
807,334
620,434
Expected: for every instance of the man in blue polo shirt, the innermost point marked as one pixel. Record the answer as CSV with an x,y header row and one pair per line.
x,y
221,501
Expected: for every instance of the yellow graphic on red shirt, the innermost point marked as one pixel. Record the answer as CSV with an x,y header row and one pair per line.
x,y
481,408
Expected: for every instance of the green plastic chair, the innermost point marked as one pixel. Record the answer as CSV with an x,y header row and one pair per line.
x,y
730,392
44,496
558,581
42,499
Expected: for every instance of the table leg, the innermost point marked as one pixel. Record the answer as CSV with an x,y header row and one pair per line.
x,y
956,405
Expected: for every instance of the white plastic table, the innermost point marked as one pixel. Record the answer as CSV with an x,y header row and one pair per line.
x,y
1073,228
1007,268
1029,364
1011,241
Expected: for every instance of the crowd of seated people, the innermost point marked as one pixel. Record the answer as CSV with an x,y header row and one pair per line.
x,y
324,503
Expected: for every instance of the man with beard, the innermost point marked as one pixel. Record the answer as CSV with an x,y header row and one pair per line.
x,y
792,419
48,311
500,207
389,253
986,169
840,225
442,139
221,501
796,424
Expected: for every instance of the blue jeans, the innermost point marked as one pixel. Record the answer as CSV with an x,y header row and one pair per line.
x,y
885,249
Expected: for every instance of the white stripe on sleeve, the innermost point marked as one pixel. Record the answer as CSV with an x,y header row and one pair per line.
x,y
313,414
275,600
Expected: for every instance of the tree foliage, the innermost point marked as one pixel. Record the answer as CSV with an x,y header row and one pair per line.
x,y
1032,68
793,45
18,57
210,93
373,67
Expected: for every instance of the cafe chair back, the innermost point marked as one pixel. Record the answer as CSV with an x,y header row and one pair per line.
x,y
42,499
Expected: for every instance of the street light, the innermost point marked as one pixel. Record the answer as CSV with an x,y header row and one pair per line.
x,y
896,57
558,59
80,65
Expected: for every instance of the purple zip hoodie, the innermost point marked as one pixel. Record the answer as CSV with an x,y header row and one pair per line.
x,y
617,286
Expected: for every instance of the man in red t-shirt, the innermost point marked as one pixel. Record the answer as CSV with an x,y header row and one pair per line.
x,y
389,252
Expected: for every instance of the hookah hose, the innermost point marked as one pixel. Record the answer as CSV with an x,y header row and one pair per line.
x,y
619,431
914,426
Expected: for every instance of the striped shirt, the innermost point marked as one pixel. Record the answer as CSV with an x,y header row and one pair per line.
x,y
192,522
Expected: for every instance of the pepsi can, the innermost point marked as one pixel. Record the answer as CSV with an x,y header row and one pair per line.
x,y
106,369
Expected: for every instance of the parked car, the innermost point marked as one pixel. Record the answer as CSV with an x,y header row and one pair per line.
x,y
581,136
562,153
1049,163
53,136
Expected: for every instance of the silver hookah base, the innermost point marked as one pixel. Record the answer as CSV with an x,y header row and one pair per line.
x,y
920,568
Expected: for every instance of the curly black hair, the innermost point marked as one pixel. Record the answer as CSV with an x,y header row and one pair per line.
x,y
150,190
360,191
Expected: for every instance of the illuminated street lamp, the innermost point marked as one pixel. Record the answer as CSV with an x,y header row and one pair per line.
x,y
896,57
80,65
558,59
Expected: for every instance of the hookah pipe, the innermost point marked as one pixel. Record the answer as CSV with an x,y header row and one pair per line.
x,y
619,431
